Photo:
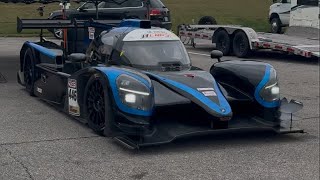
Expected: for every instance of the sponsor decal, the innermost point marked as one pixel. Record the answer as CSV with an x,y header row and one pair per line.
x,y
190,75
207,91
74,108
91,31
156,35
72,83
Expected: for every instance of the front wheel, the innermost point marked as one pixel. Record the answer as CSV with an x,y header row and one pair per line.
x,y
97,106
276,25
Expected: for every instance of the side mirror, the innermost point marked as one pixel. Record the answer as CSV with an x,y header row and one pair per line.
x,y
215,54
77,57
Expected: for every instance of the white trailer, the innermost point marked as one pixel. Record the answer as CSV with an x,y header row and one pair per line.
x,y
301,38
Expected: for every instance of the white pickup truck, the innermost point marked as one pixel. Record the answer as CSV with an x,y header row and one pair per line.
x,y
279,15
301,38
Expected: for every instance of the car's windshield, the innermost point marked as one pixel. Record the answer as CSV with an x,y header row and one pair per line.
x,y
154,53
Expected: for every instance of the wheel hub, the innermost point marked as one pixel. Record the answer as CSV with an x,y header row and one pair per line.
x,y
97,105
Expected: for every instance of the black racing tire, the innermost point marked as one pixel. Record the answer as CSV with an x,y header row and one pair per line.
x,y
207,20
223,42
241,46
276,25
29,71
98,109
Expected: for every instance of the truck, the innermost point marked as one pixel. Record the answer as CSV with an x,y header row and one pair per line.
x,y
301,37
279,15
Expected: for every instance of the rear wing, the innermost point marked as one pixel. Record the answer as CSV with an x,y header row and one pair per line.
x,y
80,32
64,24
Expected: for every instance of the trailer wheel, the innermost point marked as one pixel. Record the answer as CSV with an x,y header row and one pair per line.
x,y
223,42
207,20
241,46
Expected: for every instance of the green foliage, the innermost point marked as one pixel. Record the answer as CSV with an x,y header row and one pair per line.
x,y
251,13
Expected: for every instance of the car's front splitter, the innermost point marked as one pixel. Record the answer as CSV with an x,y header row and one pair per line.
x,y
167,131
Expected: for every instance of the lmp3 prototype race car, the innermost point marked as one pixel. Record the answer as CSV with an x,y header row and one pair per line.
x,y
136,83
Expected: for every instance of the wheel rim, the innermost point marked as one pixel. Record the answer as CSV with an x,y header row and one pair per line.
x,y
95,104
58,32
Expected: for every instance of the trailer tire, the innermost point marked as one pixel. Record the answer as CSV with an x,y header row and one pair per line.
x,y
241,46
207,20
223,42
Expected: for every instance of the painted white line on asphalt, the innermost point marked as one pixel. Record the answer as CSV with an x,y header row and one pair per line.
x,y
194,53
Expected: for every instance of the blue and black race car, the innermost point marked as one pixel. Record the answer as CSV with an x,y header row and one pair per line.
x,y
137,84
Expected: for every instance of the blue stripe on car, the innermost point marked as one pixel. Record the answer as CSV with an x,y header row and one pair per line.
x,y
45,51
198,95
261,85
112,74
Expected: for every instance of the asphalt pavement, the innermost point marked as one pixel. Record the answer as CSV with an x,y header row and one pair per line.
x,y
39,142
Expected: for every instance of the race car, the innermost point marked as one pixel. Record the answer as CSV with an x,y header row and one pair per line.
x,y
137,84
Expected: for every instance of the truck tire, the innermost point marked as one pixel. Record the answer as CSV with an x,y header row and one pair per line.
x,y
207,20
223,42
276,25
241,46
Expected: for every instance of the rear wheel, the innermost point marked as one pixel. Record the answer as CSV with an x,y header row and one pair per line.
x,y
223,42
29,71
97,106
241,46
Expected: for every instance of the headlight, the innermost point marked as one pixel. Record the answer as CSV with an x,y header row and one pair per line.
x,y
271,91
134,94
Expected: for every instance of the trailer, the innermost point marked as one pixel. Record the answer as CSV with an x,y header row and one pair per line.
x,y
242,41
301,38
